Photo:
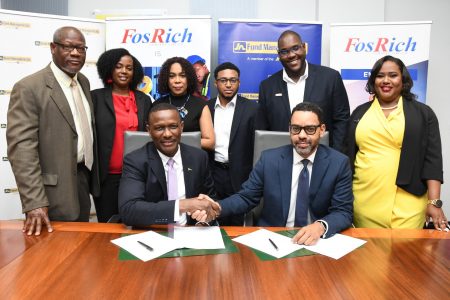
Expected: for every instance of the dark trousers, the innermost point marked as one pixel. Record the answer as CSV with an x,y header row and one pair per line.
x,y
224,189
83,179
107,204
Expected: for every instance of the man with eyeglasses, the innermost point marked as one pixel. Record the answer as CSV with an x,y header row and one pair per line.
x,y
298,81
51,137
305,184
234,126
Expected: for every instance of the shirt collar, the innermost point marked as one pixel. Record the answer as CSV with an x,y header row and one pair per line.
x,y
62,77
231,103
297,158
303,77
176,157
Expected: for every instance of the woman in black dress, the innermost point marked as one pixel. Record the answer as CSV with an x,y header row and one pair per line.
x,y
177,82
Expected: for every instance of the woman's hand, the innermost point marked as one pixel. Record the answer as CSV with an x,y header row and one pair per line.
x,y
438,217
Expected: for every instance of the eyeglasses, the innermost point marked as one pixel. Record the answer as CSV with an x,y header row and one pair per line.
x,y
285,52
232,81
309,129
69,48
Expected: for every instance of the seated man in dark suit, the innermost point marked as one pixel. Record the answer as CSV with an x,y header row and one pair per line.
x,y
300,81
306,184
165,170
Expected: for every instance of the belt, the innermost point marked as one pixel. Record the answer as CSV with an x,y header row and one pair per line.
x,y
222,165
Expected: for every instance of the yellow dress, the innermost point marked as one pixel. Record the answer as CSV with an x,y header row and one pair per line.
x,y
379,202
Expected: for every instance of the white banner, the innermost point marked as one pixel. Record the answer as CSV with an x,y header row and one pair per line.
x,y
354,48
25,49
152,40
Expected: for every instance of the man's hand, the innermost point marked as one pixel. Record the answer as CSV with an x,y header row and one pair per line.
x,y
438,217
34,220
202,208
309,235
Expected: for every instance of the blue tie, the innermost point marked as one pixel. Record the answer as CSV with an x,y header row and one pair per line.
x,y
302,202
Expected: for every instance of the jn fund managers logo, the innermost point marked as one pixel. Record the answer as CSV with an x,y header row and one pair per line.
x,y
255,47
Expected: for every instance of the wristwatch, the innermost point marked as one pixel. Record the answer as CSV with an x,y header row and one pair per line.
x,y
435,202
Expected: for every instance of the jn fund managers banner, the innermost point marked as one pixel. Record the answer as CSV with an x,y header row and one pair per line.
x,y
252,46
25,49
154,39
354,48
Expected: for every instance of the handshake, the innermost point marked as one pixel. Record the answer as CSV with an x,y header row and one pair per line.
x,y
201,208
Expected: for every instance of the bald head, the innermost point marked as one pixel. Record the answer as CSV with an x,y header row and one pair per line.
x,y
68,50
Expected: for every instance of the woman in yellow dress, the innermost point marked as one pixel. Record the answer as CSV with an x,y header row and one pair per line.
x,y
395,149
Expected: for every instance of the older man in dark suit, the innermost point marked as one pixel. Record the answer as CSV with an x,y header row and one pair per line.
x,y
51,137
162,181
234,127
304,184
299,81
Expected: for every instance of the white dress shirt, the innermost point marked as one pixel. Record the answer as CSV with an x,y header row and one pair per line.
x,y
178,165
64,81
296,90
223,119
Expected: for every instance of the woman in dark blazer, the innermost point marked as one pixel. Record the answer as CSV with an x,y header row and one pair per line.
x,y
118,107
394,146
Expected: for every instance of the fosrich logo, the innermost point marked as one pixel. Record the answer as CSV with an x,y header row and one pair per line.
x,y
157,36
381,44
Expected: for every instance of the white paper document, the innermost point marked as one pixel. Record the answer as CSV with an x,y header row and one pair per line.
x,y
336,246
268,242
199,237
158,242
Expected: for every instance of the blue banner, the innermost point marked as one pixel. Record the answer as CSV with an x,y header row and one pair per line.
x,y
252,46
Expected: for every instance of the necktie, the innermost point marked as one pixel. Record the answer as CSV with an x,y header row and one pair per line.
x,y
172,183
84,124
302,202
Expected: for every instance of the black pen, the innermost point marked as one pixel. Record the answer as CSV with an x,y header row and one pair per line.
x,y
273,244
149,248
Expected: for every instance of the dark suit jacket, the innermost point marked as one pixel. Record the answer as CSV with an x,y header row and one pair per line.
x,y
42,145
242,140
330,192
106,123
421,154
324,87
143,188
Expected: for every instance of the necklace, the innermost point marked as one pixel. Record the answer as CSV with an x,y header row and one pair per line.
x,y
182,109
391,107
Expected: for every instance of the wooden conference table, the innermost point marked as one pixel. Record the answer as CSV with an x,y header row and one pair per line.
x,y
78,261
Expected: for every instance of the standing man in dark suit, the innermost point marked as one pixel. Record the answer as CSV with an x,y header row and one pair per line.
x,y
306,184
51,137
234,127
299,81
165,170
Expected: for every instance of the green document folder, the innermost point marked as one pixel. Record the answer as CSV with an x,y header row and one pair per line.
x,y
229,248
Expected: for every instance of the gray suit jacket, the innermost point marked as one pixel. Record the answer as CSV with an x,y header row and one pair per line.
x,y
42,145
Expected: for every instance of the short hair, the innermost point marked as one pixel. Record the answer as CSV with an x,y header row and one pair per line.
x,y
406,77
159,106
308,106
107,62
288,32
226,66
188,69
60,33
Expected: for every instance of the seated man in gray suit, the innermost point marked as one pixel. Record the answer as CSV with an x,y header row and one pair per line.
x,y
161,181
304,184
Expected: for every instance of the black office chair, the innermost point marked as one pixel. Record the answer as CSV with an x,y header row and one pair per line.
x,y
266,140
135,139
